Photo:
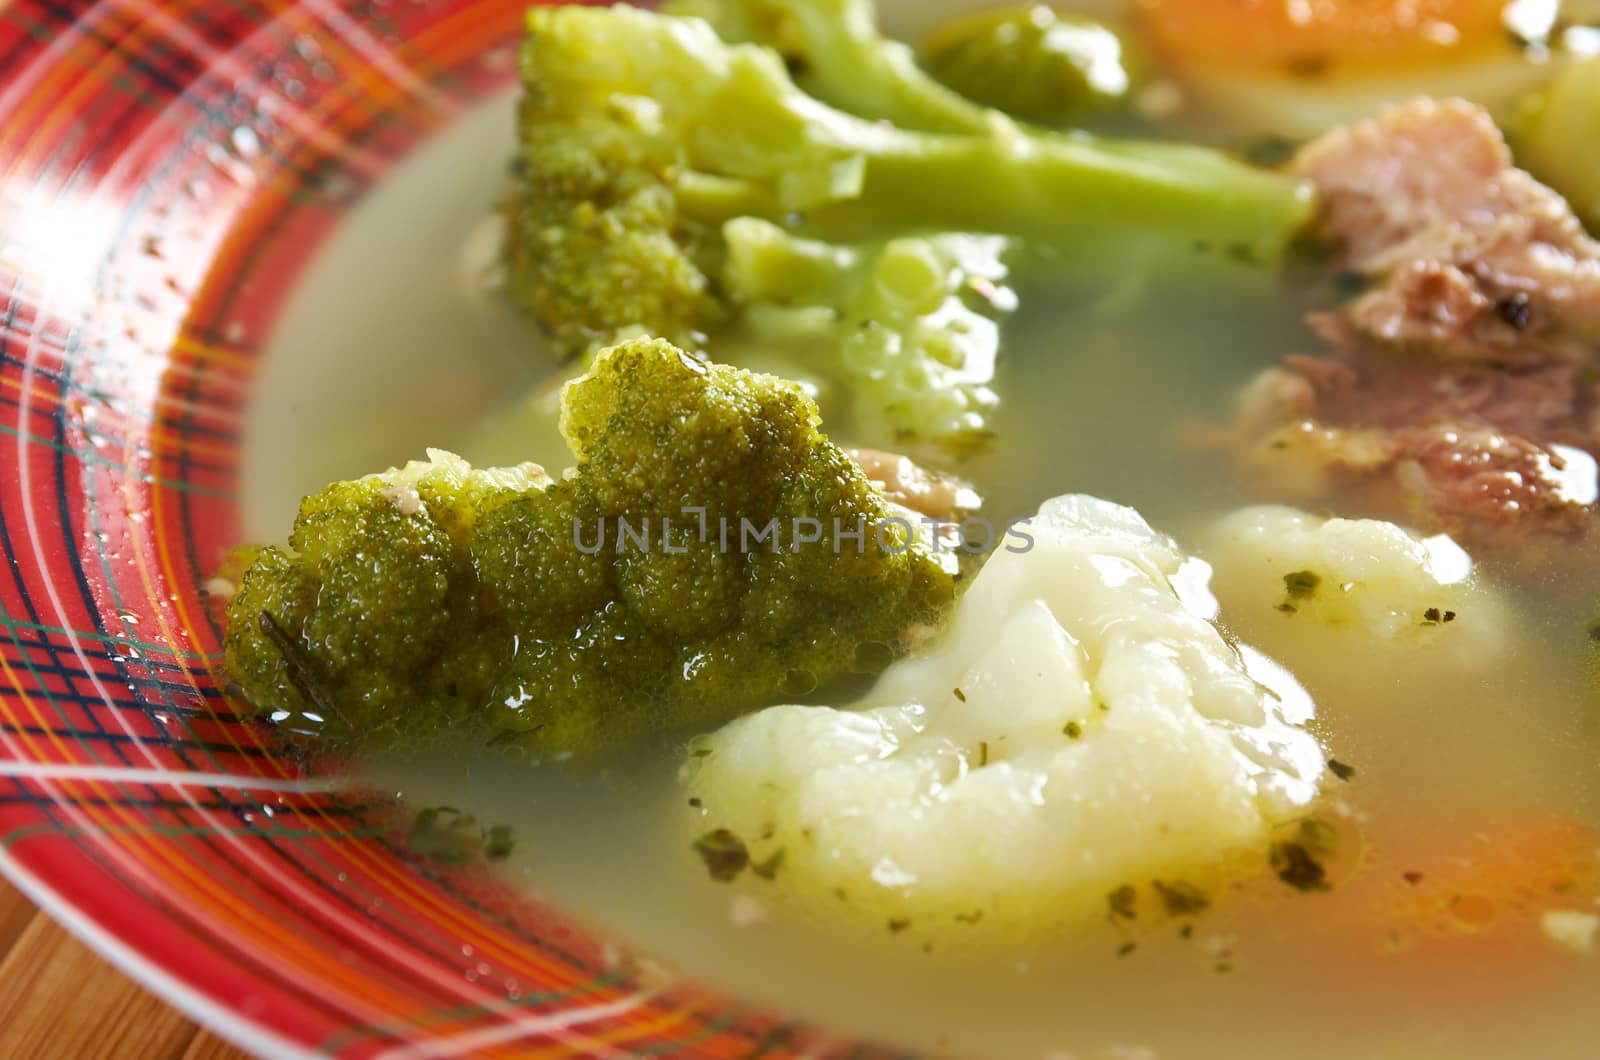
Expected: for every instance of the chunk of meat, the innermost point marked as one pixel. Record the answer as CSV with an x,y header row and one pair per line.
x,y
913,486
1460,391
1486,486
1477,260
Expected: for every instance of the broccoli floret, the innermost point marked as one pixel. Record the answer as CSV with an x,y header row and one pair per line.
x,y
1558,137
1031,61
834,51
642,135
438,602
911,324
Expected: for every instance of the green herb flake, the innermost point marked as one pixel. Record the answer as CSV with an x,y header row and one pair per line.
x,y
1295,866
1127,948
1072,730
960,695
1124,902
724,853
1301,584
983,752
969,918
1431,616
1340,770
1186,932
1180,898
898,924
768,867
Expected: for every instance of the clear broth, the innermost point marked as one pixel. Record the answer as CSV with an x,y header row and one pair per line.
x,y
1094,383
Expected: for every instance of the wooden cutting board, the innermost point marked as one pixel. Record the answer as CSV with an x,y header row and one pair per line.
x,y
59,1001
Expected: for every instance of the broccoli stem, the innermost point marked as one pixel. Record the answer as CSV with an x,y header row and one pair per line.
x,y
1062,189
850,65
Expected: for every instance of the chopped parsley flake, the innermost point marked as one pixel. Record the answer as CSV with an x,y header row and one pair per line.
x,y
724,853
1072,730
1301,584
1340,770
1295,866
1181,899
1124,901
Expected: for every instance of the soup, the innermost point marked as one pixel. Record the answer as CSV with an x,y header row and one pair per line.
x,y
1449,908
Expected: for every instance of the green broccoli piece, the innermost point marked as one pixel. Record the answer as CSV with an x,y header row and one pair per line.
x,y
1031,61
442,603
643,135
910,323
1558,137
834,52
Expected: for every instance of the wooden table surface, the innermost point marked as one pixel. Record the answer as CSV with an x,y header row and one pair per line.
x,y
59,1001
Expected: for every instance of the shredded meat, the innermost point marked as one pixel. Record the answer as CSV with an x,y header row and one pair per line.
x,y
1478,261
1460,390
910,485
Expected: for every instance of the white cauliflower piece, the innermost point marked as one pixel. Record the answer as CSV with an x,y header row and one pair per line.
x,y
1078,729
1299,584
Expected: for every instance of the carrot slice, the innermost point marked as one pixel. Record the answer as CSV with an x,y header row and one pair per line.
x,y
1312,36
1491,879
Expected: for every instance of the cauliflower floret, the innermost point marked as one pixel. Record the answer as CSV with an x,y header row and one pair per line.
x,y
1290,581
1080,728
